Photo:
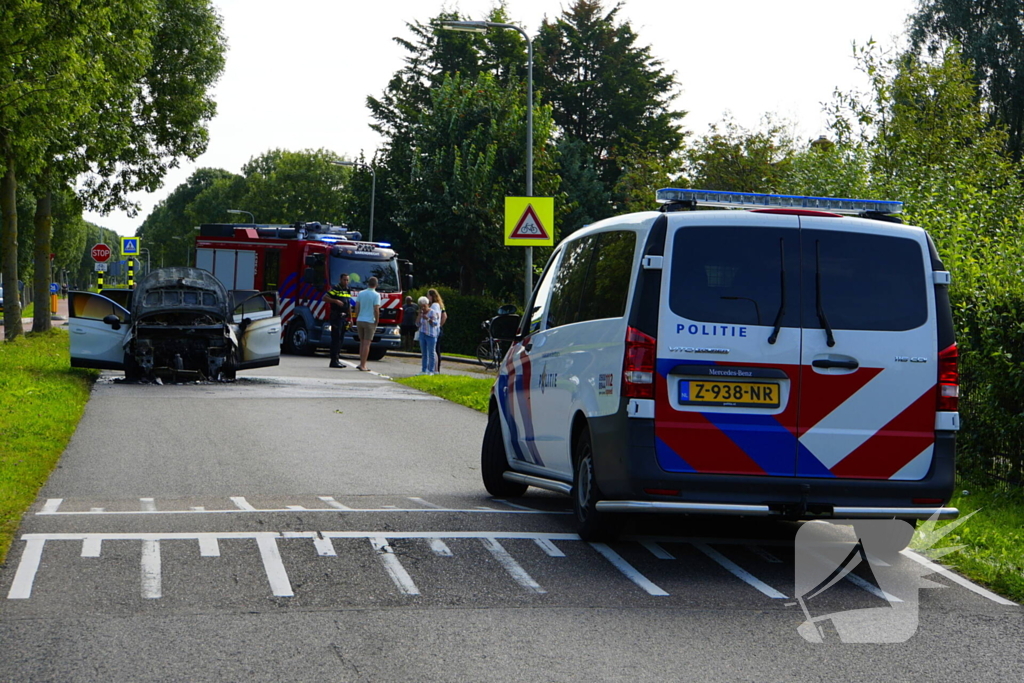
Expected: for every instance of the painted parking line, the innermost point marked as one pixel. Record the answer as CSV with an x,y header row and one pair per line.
x,y
242,506
393,566
628,570
738,571
956,578
514,569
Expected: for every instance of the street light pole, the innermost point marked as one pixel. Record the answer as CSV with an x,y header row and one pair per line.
x,y
373,186
483,27
147,259
251,219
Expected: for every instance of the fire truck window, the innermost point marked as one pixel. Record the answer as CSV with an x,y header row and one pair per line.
x,y
271,268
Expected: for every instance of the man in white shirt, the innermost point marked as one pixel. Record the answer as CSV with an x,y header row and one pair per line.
x,y
367,317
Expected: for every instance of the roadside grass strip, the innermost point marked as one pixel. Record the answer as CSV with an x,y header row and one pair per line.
x,y
989,547
41,401
472,392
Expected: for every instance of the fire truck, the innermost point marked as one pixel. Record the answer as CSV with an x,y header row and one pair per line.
x,y
301,261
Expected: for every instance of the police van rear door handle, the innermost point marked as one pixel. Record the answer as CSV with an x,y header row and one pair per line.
x,y
830,363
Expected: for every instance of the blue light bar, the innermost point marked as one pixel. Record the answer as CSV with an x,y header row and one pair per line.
x,y
751,200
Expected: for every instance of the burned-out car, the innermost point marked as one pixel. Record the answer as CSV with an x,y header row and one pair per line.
x,y
182,325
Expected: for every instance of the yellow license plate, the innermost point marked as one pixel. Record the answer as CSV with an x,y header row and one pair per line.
x,y
753,394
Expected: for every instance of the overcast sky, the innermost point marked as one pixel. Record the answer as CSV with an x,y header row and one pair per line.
x,y
298,72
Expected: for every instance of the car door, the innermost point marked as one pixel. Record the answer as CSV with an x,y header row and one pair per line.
x,y
869,364
260,340
98,330
728,346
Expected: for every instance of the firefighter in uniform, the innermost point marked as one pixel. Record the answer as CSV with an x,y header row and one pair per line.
x,y
340,301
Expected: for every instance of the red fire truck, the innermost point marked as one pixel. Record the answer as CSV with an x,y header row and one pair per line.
x,y
302,261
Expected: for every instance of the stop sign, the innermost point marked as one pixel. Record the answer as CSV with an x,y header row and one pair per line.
x,y
100,253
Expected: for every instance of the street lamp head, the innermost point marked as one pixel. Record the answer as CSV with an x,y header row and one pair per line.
x,y
466,26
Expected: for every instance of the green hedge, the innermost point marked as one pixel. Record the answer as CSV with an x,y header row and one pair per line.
x,y
462,332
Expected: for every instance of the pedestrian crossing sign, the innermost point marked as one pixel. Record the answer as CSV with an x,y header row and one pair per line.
x,y
529,221
130,246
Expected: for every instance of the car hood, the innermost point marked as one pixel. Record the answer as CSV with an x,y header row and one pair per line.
x,y
181,289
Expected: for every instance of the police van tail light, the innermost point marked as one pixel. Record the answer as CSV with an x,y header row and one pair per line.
x,y
949,380
638,375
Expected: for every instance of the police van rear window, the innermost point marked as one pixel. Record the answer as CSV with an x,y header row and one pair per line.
x,y
734,275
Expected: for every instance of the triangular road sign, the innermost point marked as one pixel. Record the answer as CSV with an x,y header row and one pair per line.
x,y
529,226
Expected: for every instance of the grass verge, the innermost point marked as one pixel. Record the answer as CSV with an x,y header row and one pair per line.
x,y
472,392
41,401
992,552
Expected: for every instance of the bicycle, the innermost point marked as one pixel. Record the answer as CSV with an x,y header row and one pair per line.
x,y
501,332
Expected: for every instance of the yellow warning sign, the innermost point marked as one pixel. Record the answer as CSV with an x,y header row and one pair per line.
x,y
529,221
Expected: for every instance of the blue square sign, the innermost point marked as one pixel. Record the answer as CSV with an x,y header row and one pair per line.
x,y
130,246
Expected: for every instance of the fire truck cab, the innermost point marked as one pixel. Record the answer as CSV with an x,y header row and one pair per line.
x,y
301,262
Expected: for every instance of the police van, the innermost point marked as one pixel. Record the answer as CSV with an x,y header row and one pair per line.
x,y
776,356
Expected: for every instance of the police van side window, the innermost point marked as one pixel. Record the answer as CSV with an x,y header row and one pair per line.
x,y
535,319
568,286
868,282
607,284
729,274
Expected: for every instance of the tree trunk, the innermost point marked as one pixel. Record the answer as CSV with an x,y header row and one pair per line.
x,y
44,230
9,241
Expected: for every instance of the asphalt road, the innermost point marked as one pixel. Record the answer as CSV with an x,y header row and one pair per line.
x,y
308,524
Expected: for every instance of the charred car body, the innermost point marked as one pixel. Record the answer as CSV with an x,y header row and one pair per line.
x,y
183,324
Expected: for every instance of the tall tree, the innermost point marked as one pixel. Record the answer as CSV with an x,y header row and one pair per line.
x,y
991,35
285,187
606,90
731,157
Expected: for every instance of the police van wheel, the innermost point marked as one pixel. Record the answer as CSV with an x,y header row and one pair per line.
x,y
591,524
494,462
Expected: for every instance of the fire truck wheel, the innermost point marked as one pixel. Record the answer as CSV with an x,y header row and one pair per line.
x,y
297,340
377,354
493,463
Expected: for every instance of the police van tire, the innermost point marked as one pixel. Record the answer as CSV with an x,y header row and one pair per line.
x,y
591,525
494,462
296,341
377,354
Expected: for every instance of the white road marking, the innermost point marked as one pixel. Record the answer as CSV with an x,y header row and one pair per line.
x,y
738,571
95,509
51,506
209,547
550,548
628,570
152,580
295,507
425,503
956,578
763,554
21,589
440,548
324,546
657,550
243,504
393,567
92,547
513,568
333,503
514,505
198,508
276,574
148,504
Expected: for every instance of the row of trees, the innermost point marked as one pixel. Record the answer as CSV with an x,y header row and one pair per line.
x,y
97,99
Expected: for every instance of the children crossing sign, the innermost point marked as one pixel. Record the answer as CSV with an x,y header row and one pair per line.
x,y
529,221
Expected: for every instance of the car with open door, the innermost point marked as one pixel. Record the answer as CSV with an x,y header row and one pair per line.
x,y
182,325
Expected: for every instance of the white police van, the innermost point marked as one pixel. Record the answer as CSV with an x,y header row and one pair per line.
x,y
794,359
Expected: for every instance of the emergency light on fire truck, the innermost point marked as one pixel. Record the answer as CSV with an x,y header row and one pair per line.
x,y
751,200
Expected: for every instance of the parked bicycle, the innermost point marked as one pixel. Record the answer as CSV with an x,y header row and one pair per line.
x,y
501,332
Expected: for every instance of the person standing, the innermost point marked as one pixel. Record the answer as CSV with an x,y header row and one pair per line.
x,y
429,323
409,312
367,318
437,303
340,301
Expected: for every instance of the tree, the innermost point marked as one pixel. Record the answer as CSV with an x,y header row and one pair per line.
x,y
736,159
285,187
604,89
991,36
468,156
